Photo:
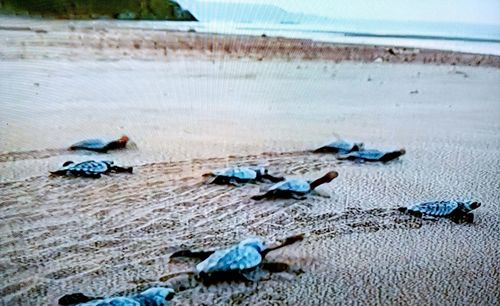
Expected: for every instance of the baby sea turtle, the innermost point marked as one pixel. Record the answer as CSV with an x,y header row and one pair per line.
x,y
295,188
157,296
241,261
99,145
239,175
90,168
454,210
340,146
372,155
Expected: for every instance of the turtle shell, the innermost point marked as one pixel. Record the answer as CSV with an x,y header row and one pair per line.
x,y
90,167
436,208
341,146
156,296
114,301
369,155
90,144
237,258
242,173
294,185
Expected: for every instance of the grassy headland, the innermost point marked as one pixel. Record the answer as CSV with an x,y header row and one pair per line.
x,y
94,9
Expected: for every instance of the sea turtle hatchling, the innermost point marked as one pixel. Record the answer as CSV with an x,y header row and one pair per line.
x,y
340,146
454,210
99,145
295,188
241,261
156,296
90,168
372,155
240,175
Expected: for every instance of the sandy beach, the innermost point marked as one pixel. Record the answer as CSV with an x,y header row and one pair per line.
x,y
193,102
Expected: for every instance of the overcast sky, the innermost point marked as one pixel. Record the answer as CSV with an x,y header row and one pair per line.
x,y
469,11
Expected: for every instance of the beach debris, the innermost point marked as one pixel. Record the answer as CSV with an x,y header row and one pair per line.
x,y
241,175
378,60
457,211
372,155
156,296
295,188
465,75
90,168
99,145
340,146
243,261
413,92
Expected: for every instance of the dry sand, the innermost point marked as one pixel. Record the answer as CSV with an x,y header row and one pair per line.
x,y
192,111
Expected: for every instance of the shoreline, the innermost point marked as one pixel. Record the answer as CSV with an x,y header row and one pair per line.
x,y
98,40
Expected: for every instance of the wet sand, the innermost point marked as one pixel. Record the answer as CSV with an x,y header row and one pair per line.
x,y
192,111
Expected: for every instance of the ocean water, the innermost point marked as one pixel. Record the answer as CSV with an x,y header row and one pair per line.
x,y
483,39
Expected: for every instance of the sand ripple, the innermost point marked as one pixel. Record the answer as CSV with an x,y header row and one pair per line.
x,y
61,235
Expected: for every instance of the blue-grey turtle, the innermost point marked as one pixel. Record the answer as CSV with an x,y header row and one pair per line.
x,y
341,147
241,261
372,155
156,296
99,145
239,175
295,188
90,168
454,210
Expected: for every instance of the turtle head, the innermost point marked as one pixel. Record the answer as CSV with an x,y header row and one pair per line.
x,y
157,296
330,176
327,178
68,163
254,243
471,205
124,139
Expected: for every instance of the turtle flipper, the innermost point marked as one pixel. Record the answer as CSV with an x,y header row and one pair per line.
x,y
279,267
212,179
260,196
469,218
119,169
274,179
168,277
75,299
202,255
325,149
410,212
288,241
58,172
459,218
275,267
